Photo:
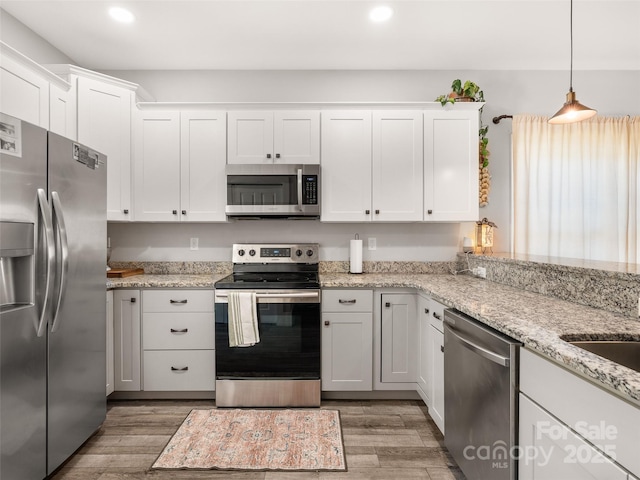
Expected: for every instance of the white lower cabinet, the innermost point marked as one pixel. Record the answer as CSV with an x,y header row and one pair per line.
x,y
178,339
436,363
425,381
399,338
109,350
550,450
570,428
347,340
126,347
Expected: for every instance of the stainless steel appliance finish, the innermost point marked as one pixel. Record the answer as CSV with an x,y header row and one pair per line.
x,y
52,317
273,191
481,388
283,369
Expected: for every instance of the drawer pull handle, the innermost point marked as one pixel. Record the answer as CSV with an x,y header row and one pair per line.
x,y
182,330
182,369
439,317
347,302
178,301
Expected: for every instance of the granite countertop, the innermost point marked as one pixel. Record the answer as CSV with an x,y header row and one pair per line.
x,y
541,322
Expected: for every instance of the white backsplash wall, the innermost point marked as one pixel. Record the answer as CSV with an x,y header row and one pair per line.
x,y
170,242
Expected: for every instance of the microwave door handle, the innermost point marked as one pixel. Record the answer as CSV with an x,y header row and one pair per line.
x,y
300,189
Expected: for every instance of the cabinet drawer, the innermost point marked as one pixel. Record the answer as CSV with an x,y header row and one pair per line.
x,y
170,331
347,300
177,300
175,370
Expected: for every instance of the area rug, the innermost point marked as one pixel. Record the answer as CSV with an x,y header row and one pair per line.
x,y
242,439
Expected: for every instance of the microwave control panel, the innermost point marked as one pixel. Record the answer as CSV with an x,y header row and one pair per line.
x,y
310,189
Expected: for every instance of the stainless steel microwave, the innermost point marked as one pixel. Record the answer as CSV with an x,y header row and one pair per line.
x,y
273,191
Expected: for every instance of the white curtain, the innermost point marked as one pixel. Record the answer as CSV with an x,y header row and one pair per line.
x,y
576,188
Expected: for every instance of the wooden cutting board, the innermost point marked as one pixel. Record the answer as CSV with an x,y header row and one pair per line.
x,y
124,272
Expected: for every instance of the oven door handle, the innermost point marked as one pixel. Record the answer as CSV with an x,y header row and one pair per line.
x,y
278,295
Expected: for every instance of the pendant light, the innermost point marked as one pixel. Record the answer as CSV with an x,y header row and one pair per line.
x,y
572,110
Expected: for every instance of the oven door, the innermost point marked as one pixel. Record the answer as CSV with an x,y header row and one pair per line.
x,y
289,347
273,190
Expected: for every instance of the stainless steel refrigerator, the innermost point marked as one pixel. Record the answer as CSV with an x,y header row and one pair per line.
x,y
52,298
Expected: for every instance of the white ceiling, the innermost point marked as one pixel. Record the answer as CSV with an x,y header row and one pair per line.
x,y
336,34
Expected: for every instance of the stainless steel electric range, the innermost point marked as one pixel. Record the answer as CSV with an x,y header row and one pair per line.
x,y
283,368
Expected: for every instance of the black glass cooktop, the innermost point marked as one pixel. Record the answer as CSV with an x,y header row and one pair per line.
x,y
263,280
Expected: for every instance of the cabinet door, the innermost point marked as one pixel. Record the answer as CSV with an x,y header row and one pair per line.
x,y
451,165
347,357
296,137
24,93
203,148
104,123
397,166
157,166
551,450
250,137
126,330
62,112
436,410
399,338
424,350
110,338
346,166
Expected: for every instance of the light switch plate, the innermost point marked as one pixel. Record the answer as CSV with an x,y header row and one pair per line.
x,y
194,243
371,243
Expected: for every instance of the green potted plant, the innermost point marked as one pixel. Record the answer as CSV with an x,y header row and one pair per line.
x,y
471,92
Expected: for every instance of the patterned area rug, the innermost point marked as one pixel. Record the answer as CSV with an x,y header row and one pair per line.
x,y
240,439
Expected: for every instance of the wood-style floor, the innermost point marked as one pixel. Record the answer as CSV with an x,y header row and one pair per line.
x,y
384,439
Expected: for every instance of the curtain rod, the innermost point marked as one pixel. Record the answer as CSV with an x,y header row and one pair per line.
x,y
496,120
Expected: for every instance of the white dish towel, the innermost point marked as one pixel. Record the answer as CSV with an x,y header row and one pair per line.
x,y
243,319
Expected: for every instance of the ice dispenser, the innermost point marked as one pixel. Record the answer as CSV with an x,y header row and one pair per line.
x,y
16,264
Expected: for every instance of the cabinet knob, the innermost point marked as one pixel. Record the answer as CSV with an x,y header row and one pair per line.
x,y
133,300
179,369
426,310
268,155
387,304
277,155
126,211
184,212
175,212
429,212
377,212
327,323
367,212
442,348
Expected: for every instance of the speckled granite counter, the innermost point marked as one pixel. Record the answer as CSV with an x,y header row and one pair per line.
x,y
541,322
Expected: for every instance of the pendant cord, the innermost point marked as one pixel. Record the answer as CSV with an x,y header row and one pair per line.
x,y
571,44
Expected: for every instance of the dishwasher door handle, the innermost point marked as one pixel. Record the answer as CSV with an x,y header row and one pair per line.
x,y
483,352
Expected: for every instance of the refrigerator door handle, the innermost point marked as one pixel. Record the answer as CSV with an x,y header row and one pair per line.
x,y
50,250
58,215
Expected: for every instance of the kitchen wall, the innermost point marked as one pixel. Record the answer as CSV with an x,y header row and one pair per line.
x,y
507,92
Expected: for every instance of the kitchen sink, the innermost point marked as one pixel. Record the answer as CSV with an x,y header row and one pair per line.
x,y
625,353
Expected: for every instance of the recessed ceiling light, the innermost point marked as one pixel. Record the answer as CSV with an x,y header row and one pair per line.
x,y
121,14
381,13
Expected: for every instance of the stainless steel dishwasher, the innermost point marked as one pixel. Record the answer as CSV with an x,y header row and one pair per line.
x,y
480,397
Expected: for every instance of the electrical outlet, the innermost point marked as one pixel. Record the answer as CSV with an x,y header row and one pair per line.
x,y
194,243
481,272
371,243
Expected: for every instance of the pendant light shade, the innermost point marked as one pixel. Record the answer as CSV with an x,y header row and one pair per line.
x,y
572,110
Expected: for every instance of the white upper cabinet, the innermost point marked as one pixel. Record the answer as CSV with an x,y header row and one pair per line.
x,y
451,165
63,118
346,166
179,160
104,123
372,166
397,166
274,136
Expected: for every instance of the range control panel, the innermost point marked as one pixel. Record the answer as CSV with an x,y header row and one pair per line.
x,y
275,253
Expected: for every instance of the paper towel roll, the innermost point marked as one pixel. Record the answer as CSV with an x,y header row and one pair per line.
x,y
355,256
